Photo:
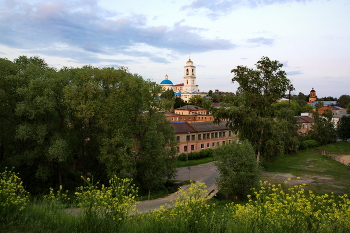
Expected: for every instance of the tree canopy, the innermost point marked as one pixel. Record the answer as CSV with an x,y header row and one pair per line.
x,y
57,125
252,115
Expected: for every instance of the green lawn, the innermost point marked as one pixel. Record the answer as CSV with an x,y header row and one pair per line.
x,y
320,172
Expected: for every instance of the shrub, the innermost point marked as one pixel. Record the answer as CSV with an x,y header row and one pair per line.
x,y
309,144
114,202
13,197
238,168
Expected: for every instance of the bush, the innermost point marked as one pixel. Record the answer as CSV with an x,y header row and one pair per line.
x,y
309,144
238,168
13,197
196,155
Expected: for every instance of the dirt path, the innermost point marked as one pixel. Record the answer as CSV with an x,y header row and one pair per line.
x,y
206,173
344,159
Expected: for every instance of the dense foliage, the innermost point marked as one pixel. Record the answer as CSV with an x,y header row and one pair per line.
x,y
271,131
239,171
56,125
343,128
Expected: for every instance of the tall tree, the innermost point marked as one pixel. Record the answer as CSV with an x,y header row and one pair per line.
x,y
253,117
343,101
343,128
323,130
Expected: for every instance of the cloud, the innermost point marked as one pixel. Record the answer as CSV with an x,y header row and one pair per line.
x,y
85,28
295,72
261,41
215,9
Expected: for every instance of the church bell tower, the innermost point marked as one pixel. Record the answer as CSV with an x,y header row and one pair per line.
x,y
190,77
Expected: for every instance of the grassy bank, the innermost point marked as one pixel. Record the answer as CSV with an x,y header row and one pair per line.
x,y
318,206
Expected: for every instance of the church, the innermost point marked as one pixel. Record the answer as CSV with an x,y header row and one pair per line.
x,y
188,88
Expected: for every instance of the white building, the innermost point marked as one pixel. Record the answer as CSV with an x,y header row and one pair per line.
x,y
188,88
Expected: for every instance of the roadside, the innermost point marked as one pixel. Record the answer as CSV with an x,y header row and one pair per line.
x,y
205,173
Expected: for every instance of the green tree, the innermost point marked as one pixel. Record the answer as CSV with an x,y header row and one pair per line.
x,y
167,100
200,101
252,115
348,108
319,105
323,130
179,102
343,128
343,101
239,172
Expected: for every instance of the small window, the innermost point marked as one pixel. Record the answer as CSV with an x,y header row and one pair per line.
x,y
218,143
208,145
223,143
220,134
178,138
216,135
213,145
187,137
199,136
202,146
212,135
223,134
185,148
204,136
192,147
229,133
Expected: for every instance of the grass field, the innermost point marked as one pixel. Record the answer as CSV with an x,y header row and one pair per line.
x,y
320,172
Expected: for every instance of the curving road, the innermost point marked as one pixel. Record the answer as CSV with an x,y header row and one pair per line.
x,y
205,173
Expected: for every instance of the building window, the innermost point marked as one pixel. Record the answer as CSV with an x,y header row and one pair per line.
x,y
177,118
213,145
212,135
185,148
193,137
204,136
192,147
223,143
208,135
199,136
202,146
178,138
187,137
220,134
229,133
223,134
208,145
218,143
216,135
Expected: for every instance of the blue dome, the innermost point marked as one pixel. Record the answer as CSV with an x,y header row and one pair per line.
x,y
167,82
177,94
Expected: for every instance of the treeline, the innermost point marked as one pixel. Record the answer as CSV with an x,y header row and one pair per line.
x,y
59,125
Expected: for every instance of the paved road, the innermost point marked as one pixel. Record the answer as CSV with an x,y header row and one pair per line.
x,y
206,173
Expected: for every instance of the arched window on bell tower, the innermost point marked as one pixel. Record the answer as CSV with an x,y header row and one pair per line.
x,y
192,71
186,71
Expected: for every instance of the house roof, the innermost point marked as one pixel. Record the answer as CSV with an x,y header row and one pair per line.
x,y
185,127
171,114
208,126
305,119
190,107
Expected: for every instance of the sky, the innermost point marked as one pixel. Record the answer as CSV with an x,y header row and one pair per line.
x,y
152,38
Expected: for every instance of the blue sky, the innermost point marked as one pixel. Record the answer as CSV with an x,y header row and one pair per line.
x,y
154,38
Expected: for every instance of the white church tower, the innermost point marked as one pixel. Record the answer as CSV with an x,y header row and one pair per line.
x,y
190,77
